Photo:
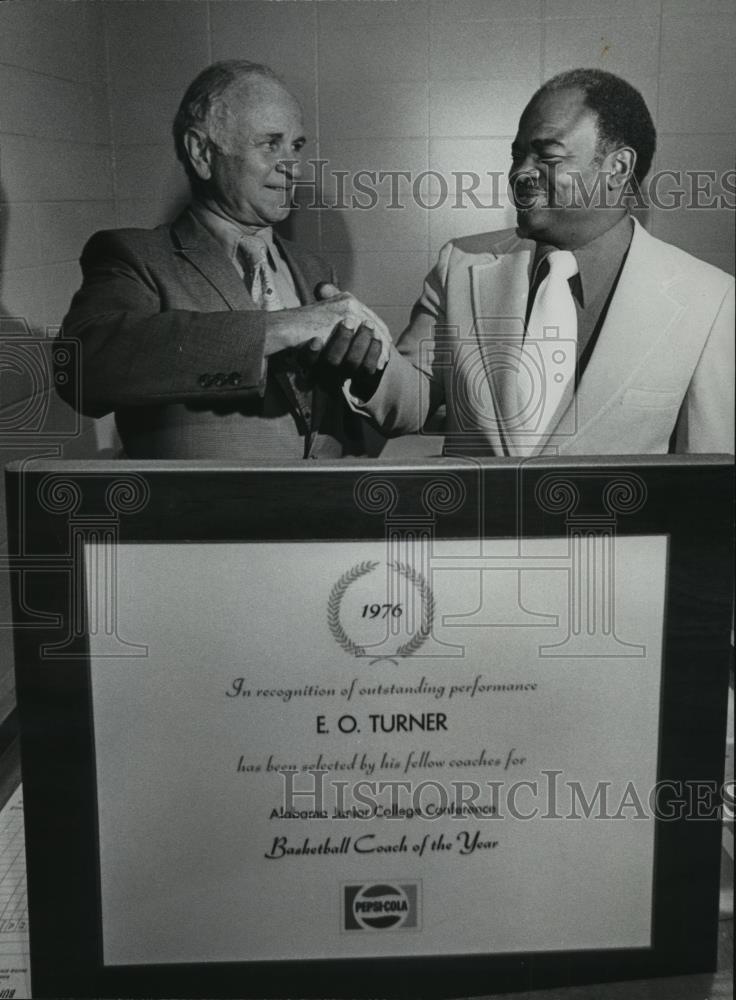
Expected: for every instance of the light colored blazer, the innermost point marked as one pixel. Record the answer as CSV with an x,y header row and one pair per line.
x,y
662,370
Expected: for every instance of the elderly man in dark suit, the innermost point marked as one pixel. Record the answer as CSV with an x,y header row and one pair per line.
x,y
205,336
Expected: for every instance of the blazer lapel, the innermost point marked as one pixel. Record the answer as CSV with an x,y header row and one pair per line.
x,y
203,252
306,277
298,266
500,289
640,315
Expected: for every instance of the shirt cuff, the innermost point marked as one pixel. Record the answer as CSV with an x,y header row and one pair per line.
x,y
355,404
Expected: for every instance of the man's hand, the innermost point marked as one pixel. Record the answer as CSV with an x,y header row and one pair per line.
x,y
315,325
354,351
356,346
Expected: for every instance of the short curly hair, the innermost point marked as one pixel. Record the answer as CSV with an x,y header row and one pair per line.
x,y
623,117
203,106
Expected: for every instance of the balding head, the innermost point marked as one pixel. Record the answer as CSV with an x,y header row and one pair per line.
x,y
239,134
217,99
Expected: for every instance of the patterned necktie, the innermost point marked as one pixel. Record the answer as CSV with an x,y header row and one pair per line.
x,y
259,273
546,376
285,365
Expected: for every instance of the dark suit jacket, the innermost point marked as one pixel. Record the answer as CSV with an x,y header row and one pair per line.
x,y
173,343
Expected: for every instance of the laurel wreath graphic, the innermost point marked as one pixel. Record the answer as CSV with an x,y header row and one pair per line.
x,y
425,628
348,578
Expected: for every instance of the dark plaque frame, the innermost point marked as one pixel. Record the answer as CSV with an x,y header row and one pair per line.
x,y
54,506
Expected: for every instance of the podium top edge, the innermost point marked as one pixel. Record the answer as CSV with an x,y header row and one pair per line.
x,y
150,466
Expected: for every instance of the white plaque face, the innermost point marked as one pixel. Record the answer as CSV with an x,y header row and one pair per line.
x,y
488,793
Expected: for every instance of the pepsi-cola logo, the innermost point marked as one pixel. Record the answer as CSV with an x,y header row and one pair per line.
x,y
380,906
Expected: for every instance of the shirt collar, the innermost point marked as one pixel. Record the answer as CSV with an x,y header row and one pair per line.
x,y
229,234
598,261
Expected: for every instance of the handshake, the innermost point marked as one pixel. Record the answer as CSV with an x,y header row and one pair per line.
x,y
338,331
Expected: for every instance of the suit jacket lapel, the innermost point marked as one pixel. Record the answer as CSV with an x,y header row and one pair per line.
x,y
298,265
639,317
203,252
500,289
305,278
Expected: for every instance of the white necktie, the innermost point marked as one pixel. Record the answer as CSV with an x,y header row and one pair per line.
x,y
546,376
259,273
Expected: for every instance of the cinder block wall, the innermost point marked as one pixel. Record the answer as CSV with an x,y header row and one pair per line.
x,y
56,187
423,85
88,91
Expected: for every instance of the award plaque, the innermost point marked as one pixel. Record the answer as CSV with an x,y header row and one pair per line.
x,y
425,730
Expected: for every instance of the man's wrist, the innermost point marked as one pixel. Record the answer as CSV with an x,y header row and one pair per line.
x,y
280,332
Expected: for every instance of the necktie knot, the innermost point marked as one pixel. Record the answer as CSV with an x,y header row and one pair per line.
x,y
562,264
254,250
259,272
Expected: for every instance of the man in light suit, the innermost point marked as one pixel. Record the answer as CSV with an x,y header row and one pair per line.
x,y
204,336
648,365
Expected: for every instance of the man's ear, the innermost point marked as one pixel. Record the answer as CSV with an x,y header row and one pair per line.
x,y
199,151
620,166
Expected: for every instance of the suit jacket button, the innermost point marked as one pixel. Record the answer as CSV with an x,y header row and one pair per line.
x,y
204,380
220,379
234,378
